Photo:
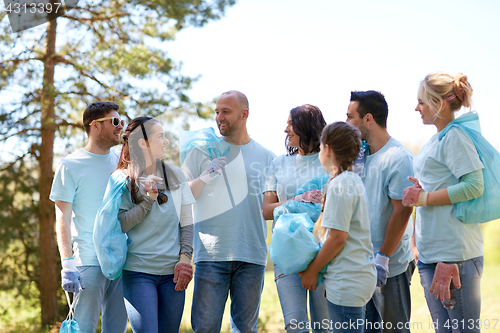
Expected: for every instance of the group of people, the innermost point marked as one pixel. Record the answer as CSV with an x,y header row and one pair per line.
x,y
213,211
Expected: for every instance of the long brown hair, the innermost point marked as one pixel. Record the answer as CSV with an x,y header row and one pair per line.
x,y
345,142
132,159
307,123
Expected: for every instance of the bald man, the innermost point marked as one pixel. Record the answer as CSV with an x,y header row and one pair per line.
x,y
230,250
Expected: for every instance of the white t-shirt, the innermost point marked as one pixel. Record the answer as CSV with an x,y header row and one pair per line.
x,y
228,213
440,235
385,175
81,179
350,277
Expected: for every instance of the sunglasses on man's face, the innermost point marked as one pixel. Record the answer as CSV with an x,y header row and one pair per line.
x,y
162,197
114,120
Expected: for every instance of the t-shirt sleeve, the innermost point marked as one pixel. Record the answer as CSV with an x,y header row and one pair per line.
x,y
460,154
398,180
271,182
194,164
64,185
339,206
186,194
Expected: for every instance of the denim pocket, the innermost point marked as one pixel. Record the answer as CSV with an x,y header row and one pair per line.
x,y
82,269
479,263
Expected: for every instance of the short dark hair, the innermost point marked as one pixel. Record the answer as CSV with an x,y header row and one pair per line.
x,y
95,111
373,102
307,123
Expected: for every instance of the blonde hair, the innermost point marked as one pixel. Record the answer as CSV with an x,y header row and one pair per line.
x,y
438,87
345,141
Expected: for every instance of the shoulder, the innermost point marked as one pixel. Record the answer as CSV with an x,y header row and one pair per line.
x,y
397,151
255,146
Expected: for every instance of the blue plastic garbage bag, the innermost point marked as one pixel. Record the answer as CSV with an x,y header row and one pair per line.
x,y
204,140
313,210
70,325
486,207
293,245
109,241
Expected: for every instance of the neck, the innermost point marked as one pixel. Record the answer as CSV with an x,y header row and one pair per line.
x,y
240,138
94,147
378,138
442,122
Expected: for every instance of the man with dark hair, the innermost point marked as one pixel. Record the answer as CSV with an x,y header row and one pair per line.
x,y
230,250
387,165
78,190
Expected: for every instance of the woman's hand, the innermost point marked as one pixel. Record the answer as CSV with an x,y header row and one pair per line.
x,y
148,186
309,279
414,195
183,273
443,276
312,196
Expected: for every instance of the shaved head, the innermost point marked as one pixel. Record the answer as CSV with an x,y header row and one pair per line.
x,y
242,99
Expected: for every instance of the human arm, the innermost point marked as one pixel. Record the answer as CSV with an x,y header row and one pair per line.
x,y
71,279
269,204
470,186
413,246
183,271
212,171
132,217
333,244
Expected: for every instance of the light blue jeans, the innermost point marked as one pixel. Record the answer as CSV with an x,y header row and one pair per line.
x,y
100,293
153,304
293,299
392,304
462,313
213,281
347,319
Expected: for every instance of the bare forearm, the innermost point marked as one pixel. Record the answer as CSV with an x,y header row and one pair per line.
x,y
395,228
332,246
439,197
196,187
63,229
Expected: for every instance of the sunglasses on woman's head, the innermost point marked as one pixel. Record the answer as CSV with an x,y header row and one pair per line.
x,y
162,197
115,121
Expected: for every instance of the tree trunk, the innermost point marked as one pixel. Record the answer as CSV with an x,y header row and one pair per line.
x,y
48,256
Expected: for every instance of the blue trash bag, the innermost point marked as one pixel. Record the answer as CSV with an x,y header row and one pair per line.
x,y
313,210
204,140
293,245
70,325
109,241
486,207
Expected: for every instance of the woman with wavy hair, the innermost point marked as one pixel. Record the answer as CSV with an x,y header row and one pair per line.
x,y
448,170
155,213
288,173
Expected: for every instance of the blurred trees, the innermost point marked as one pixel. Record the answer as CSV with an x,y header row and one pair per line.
x,y
100,50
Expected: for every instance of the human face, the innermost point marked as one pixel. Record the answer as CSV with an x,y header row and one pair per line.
x,y
228,115
157,142
354,119
109,135
293,139
426,113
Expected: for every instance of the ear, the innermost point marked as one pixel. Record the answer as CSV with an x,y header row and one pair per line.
x,y
142,143
94,126
244,114
369,118
328,150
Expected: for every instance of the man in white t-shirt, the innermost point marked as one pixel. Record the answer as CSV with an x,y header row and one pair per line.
x,y
385,172
78,189
230,250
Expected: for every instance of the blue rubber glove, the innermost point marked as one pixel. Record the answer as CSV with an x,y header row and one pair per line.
x,y
382,266
71,279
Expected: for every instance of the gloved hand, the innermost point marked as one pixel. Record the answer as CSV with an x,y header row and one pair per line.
x,y
312,196
414,195
71,279
213,170
382,266
183,272
443,275
147,185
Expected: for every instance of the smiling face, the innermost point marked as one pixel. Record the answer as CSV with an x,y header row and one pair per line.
x,y
354,119
228,115
426,113
157,142
293,139
109,135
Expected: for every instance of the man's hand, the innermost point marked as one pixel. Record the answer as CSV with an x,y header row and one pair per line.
x,y
213,170
382,266
71,278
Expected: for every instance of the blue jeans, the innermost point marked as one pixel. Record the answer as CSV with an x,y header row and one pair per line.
x,y
462,312
392,304
100,293
347,319
153,304
213,281
293,299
